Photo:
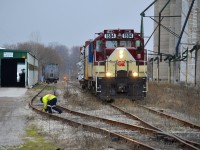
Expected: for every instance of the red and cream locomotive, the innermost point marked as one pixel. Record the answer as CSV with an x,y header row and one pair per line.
x,y
114,65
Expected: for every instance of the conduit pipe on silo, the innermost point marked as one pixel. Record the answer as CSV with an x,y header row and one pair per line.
x,y
142,14
179,40
159,25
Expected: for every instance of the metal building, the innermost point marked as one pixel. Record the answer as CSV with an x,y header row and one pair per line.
x,y
176,41
18,68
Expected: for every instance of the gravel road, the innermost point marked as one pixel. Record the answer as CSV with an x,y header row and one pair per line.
x,y
13,114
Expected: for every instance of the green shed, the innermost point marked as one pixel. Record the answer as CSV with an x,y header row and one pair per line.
x,y
18,68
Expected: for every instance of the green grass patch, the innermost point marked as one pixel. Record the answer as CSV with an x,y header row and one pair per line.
x,y
38,86
34,140
49,88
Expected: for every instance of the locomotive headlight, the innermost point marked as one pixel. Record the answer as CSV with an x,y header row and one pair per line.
x,y
135,74
121,54
108,74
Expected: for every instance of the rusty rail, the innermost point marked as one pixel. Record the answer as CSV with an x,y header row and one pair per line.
x,y
186,123
197,145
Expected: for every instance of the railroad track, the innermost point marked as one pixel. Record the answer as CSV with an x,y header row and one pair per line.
x,y
138,137
162,113
73,122
185,124
190,127
145,123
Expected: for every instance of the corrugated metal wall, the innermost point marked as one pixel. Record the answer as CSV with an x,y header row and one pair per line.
x,y
32,65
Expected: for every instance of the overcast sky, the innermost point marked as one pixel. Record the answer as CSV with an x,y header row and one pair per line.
x,y
68,22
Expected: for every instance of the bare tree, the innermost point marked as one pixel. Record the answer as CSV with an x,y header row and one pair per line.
x,y
13,46
74,59
63,53
35,39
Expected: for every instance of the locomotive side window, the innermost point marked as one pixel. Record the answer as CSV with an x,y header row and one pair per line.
x,y
138,45
126,43
111,44
99,46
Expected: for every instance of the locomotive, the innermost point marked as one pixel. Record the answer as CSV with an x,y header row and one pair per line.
x,y
114,65
51,73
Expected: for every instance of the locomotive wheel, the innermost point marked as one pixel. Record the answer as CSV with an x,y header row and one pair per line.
x,y
109,100
83,87
138,98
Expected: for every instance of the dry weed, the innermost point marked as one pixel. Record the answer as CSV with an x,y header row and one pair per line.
x,y
174,97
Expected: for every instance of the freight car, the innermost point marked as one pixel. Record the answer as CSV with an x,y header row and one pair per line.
x,y
51,73
114,65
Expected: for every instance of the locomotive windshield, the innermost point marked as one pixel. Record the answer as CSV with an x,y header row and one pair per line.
x,y
114,44
127,43
111,44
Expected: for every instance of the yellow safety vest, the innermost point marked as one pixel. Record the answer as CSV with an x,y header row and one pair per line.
x,y
47,98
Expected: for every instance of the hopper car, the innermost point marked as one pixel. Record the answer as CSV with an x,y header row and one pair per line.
x,y
51,73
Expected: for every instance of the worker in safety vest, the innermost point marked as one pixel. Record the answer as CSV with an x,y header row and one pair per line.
x,y
49,102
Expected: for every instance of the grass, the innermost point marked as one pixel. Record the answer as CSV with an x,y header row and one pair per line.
x,y
35,141
180,99
38,87
83,100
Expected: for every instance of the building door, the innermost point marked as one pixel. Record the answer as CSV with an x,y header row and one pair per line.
x,y
9,75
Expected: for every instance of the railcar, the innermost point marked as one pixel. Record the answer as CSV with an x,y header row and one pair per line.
x,y
51,73
114,65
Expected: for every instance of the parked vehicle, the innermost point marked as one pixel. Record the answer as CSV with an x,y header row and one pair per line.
x,y
51,73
